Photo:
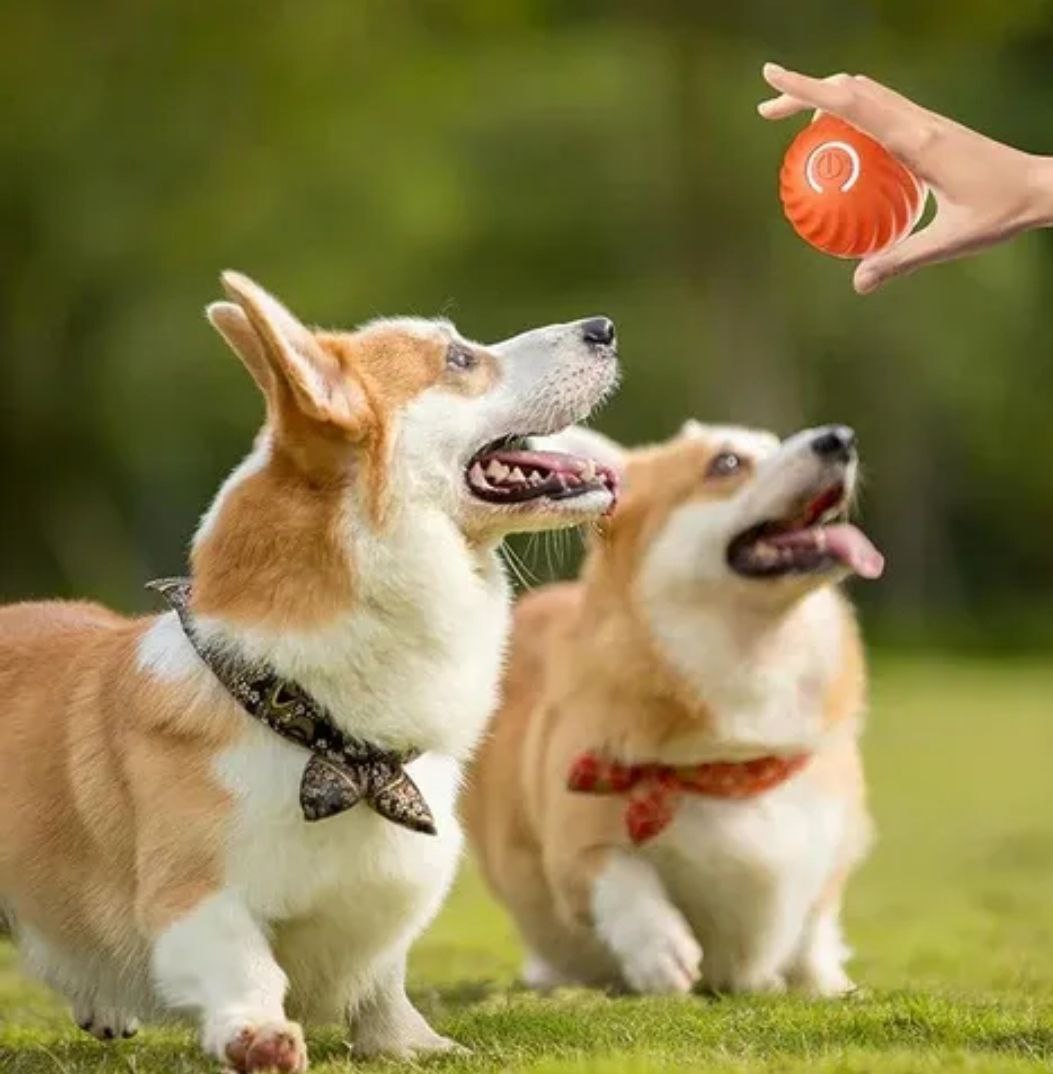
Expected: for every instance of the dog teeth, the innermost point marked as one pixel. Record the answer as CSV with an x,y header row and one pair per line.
x,y
766,553
535,478
588,471
497,470
517,476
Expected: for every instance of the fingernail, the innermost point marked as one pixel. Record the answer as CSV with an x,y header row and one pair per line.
x,y
773,69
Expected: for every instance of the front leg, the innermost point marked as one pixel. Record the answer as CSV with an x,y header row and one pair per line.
x,y
216,962
818,966
387,1023
652,942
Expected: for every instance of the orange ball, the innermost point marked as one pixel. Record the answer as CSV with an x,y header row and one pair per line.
x,y
844,193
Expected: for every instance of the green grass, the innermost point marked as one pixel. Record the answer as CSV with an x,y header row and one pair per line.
x,y
952,921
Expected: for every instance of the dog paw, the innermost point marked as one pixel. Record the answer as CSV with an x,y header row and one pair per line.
x,y
419,1044
105,1023
275,1046
541,975
822,981
439,1045
666,961
746,982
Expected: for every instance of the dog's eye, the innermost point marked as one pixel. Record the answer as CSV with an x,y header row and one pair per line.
x,y
724,465
460,358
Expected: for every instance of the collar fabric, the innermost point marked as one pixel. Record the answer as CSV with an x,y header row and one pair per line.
x,y
654,790
342,771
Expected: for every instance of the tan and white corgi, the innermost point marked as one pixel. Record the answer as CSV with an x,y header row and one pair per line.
x,y
155,851
674,769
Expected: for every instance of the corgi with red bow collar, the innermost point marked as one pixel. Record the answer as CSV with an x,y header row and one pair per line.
x,y
672,789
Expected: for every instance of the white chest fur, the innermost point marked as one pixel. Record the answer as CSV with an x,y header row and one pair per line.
x,y
284,867
746,873
416,665
764,686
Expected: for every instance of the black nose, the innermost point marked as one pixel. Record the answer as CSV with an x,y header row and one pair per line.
x,y
598,330
836,443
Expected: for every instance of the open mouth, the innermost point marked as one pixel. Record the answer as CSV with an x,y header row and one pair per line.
x,y
815,539
508,472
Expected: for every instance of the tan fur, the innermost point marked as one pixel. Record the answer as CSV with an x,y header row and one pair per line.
x,y
86,737
584,674
285,567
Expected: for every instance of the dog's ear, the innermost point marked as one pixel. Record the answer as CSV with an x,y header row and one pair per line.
x,y
286,359
230,322
577,440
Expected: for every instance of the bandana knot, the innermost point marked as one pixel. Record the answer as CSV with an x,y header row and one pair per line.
x,y
341,771
655,790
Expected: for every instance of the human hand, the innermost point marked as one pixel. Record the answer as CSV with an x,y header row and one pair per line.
x,y
985,191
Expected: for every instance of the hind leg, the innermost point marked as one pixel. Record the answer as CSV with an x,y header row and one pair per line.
x,y
89,985
103,1020
541,975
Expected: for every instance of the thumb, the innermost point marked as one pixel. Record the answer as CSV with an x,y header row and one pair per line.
x,y
922,248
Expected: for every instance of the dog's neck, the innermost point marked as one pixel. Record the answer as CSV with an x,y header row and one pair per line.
x,y
731,683
736,654
381,618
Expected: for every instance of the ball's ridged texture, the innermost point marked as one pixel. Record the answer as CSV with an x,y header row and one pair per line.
x,y
844,193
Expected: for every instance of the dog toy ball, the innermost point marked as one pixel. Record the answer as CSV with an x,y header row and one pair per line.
x,y
844,193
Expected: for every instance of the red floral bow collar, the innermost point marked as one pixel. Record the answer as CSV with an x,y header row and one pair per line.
x,y
655,790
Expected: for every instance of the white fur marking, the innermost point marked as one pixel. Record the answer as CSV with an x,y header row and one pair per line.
x,y
217,962
649,937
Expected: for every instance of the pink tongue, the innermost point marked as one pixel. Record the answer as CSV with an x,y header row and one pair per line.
x,y
854,549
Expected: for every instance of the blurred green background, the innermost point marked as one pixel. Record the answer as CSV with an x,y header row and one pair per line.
x,y
506,163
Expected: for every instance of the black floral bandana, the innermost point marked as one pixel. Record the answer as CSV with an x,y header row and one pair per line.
x,y
342,771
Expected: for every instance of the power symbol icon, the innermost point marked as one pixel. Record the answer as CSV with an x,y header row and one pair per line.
x,y
832,164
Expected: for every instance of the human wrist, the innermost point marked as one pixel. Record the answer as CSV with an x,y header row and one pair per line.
x,y
1039,209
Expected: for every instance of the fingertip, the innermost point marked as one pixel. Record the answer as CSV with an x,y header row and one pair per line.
x,y
866,280
774,74
781,107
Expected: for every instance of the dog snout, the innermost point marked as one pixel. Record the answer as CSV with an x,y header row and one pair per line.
x,y
598,331
835,443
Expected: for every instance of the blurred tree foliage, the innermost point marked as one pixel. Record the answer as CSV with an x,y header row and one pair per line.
x,y
507,162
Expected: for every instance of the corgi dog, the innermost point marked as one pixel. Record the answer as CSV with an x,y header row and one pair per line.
x,y
163,850
672,786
